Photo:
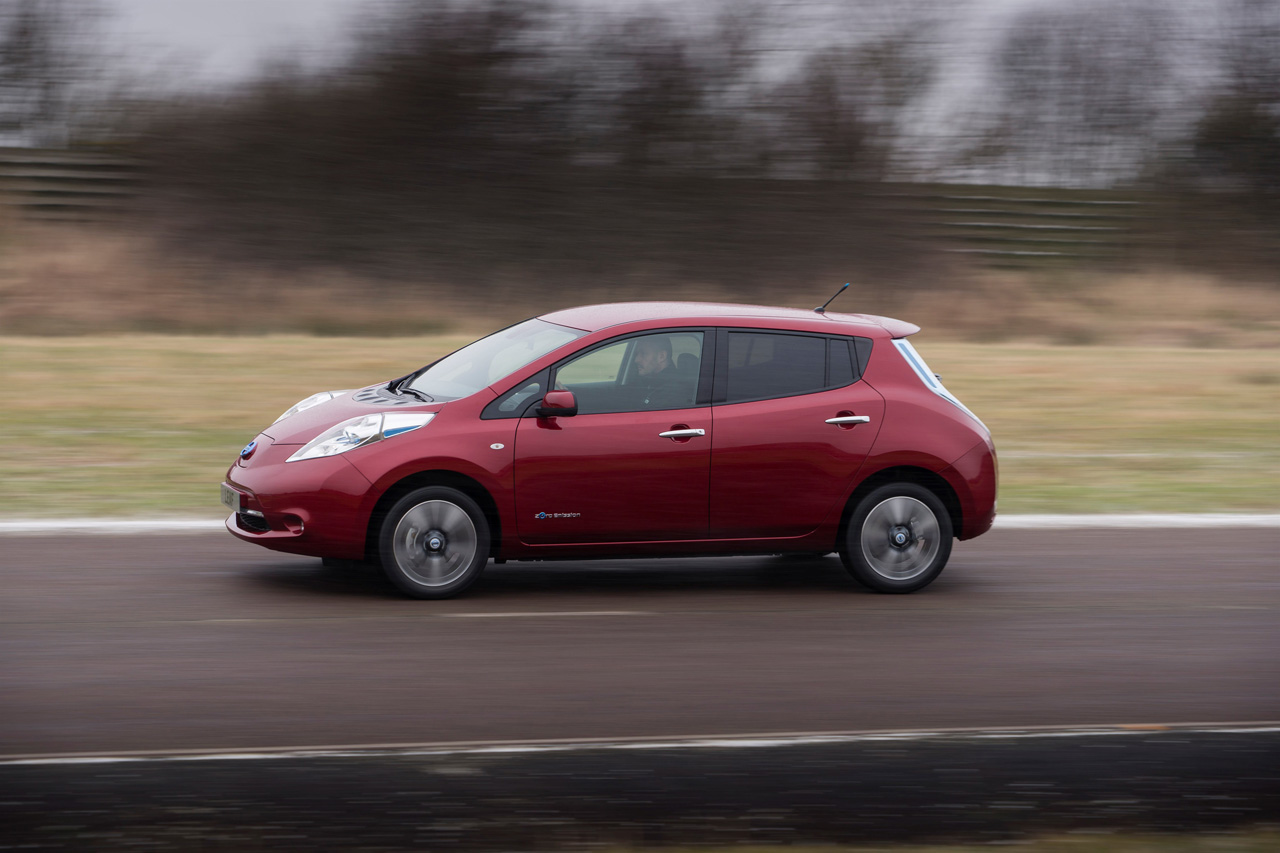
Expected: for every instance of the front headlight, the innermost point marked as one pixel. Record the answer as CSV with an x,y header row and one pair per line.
x,y
358,432
313,400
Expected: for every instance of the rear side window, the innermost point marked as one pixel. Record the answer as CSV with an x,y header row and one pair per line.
x,y
761,365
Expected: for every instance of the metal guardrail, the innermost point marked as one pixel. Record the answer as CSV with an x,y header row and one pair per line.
x,y
1023,226
52,185
998,226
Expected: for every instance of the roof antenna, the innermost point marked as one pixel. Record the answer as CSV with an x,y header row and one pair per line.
x,y
823,308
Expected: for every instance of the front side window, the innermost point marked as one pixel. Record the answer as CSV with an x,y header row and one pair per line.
x,y
646,372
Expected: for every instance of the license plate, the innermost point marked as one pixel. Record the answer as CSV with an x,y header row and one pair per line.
x,y
230,498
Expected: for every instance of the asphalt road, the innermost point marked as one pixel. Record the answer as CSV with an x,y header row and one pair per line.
x,y
111,643
940,790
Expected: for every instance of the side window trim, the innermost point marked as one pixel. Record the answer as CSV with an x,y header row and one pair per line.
x,y
707,367
720,390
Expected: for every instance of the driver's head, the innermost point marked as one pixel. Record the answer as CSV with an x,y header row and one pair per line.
x,y
653,354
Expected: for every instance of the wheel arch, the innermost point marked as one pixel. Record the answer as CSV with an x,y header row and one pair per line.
x,y
452,479
935,483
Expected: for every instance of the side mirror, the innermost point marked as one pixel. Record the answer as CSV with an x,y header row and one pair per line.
x,y
558,404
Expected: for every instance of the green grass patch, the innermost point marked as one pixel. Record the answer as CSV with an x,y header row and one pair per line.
x,y
132,425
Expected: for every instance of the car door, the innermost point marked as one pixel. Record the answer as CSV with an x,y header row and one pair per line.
x,y
633,464
793,427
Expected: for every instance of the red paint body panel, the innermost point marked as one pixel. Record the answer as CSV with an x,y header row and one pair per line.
x,y
456,441
921,430
612,478
766,476
974,477
761,487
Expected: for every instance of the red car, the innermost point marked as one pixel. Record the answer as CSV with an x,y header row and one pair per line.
x,y
630,430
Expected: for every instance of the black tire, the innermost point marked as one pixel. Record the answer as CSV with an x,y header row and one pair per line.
x,y
898,538
434,543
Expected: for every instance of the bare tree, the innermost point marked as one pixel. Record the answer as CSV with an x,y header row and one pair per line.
x,y
501,132
1236,144
842,117
1079,90
46,53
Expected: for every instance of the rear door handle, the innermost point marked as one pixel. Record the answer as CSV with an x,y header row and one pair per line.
x,y
850,419
682,433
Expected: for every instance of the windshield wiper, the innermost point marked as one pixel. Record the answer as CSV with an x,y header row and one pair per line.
x,y
424,397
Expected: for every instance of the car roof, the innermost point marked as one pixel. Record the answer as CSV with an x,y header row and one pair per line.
x,y
593,318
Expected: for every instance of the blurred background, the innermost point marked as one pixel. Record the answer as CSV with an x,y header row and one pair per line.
x,y
210,209
1075,172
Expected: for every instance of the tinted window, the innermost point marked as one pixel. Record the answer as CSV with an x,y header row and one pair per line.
x,y
862,348
765,364
840,368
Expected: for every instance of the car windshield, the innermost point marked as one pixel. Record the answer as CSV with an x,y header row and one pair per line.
x,y
489,359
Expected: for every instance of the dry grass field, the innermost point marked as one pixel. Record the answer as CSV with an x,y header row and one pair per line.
x,y
142,425
1249,841
132,372
67,281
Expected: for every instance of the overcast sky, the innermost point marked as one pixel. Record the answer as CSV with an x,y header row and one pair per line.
x,y
228,39
218,40
196,43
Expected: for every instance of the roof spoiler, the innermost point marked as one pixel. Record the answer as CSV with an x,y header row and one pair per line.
x,y
895,328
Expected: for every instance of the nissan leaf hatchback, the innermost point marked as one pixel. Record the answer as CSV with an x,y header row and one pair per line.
x,y
631,430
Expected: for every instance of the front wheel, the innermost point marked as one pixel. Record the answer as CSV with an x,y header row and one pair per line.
x,y
434,542
898,538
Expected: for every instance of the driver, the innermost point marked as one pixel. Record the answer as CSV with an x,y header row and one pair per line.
x,y
653,356
657,374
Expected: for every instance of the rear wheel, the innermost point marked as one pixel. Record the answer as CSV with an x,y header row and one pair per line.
x,y
434,542
898,538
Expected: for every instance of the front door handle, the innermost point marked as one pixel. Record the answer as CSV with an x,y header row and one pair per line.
x,y
850,419
682,433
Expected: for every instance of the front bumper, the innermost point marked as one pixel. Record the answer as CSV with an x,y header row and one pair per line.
x,y
317,507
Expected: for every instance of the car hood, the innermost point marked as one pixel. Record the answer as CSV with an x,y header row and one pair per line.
x,y
306,425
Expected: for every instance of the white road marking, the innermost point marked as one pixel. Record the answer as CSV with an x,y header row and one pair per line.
x,y
110,526
1169,520
727,741
530,613
176,526
1037,454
